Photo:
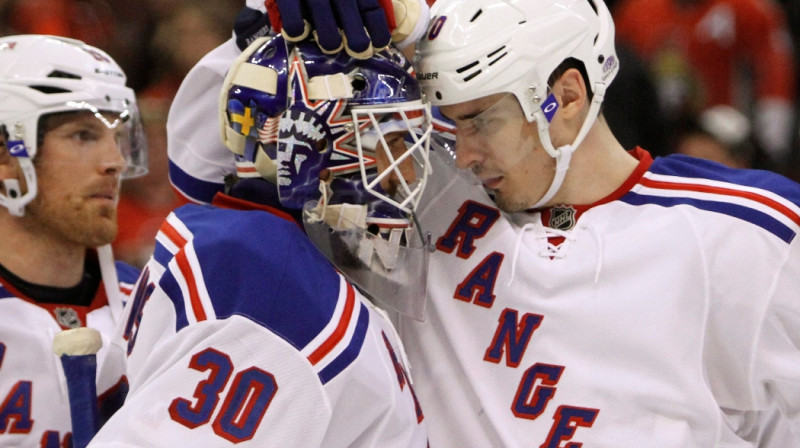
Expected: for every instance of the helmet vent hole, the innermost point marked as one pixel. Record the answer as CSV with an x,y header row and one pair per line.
x,y
472,75
466,67
62,74
359,83
498,58
438,95
49,89
593,5
495,52
269,52
475,17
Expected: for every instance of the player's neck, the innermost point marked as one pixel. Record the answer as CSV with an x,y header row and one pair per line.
x,y
599,166
37,257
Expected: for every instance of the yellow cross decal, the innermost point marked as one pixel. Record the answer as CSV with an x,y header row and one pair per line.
x,y
245,120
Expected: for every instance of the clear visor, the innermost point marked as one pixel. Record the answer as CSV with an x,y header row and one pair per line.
x,y
392,271
501,129
122,118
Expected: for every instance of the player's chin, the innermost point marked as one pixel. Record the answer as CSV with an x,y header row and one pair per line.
x,y
509,203
103,234
103,227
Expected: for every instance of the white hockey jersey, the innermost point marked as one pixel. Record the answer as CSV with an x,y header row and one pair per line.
x,y
239,333
666,315
473,408
34,404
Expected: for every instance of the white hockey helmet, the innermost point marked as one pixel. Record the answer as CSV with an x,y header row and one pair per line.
x,y
42,75
477,48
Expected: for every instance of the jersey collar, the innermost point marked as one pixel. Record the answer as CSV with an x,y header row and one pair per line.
x,y
564,216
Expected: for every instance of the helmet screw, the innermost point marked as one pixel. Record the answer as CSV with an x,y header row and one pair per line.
x,y
349,127
19,131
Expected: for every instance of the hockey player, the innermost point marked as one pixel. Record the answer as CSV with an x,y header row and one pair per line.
x,y
610,299
69,131
240,331
612,304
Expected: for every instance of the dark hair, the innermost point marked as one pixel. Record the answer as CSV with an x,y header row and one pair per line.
x,y
566,65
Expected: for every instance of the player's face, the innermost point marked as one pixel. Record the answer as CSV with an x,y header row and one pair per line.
x,y
497,143
78,167
397,147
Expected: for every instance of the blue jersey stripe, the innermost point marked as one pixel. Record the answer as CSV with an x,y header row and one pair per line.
x,y
748,214
684,167
192,187
161,254
350,353
170,286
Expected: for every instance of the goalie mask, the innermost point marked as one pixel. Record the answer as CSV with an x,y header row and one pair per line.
x,y
346,141
45,75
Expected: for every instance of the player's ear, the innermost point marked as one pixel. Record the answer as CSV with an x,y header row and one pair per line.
x,y
571,92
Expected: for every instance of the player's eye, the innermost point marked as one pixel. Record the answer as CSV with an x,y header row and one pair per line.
x,y
86,135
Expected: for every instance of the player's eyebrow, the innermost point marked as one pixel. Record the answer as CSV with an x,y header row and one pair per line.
x,y
464,116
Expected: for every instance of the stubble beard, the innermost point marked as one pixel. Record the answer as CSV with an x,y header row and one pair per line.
x,y
73,221
510,205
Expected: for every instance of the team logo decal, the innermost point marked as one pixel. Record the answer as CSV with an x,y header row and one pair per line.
x,y
562,218
436,27
16,148
67,317
549,107
609,66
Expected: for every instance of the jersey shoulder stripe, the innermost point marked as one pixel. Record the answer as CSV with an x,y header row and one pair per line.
x,y
126,276
339,343
265,269
765,199
191,188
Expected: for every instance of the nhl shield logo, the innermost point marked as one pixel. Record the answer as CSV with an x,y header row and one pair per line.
x,y
562,218
67,317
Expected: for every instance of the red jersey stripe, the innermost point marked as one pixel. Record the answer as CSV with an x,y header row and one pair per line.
x,y
340,331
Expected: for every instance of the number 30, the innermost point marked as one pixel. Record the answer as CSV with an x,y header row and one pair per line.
x,y
243,407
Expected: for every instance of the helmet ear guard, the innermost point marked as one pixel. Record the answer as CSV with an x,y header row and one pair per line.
x,y
313,125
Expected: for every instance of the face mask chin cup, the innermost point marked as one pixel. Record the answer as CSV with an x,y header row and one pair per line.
x,y
390,269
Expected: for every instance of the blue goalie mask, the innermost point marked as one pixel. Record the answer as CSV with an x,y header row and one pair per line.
x,y
346,141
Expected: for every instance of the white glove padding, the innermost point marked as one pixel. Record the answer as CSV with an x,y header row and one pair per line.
x,y
411,19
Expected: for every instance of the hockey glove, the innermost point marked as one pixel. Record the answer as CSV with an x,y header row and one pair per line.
x,y
250,24
360,27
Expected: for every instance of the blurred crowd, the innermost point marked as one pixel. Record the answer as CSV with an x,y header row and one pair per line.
x,y
717,79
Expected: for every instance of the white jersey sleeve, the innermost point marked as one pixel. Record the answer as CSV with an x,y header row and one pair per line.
x,y
198,160
34,403
239,335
